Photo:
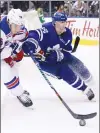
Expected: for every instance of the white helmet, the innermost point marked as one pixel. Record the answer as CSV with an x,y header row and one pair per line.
x,y
15,16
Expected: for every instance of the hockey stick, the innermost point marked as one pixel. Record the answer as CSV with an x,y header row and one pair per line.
x,y
77,40
76,43
76,116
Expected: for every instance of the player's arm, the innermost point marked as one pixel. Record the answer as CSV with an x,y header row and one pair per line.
x,y
9,51
68,44
58,55
65,53
18,40
5,51
21,35
32,43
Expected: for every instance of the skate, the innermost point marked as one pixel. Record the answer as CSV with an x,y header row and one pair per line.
x,y
89,93
24,99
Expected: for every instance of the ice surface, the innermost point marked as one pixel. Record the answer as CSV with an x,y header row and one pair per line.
x,y
49,114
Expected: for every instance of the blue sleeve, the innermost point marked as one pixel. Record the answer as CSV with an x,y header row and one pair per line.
x,y
31,44
68,47
33,38
33,34
36,34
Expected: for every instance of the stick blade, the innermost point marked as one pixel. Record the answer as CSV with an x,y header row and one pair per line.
x,y
88,116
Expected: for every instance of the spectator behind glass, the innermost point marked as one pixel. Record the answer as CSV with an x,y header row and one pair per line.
x,y
67,8
58,6
23,5
4,7
93,9
42,7
79,8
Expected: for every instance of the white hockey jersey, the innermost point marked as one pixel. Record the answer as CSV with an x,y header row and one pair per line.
x,y
6,35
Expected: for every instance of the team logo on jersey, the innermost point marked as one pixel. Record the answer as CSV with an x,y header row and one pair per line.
x,y
56,47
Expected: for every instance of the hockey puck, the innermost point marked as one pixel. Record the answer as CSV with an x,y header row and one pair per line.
x,y
82,122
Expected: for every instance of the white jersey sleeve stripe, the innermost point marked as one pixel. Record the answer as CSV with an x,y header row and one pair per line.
x,y
40,33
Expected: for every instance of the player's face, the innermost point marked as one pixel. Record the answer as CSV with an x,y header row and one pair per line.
x,y
15,28
60,27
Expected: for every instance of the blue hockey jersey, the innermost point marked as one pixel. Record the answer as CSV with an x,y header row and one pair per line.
x,y
48,39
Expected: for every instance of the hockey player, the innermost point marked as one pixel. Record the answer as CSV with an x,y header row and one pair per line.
x,y
52,48
12,33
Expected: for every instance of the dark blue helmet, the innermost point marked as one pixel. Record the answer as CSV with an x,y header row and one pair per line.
x,y
59,16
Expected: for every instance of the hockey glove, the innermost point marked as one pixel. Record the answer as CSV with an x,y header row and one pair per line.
x,y
40,56
16,47
9,61
54,56
28,47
